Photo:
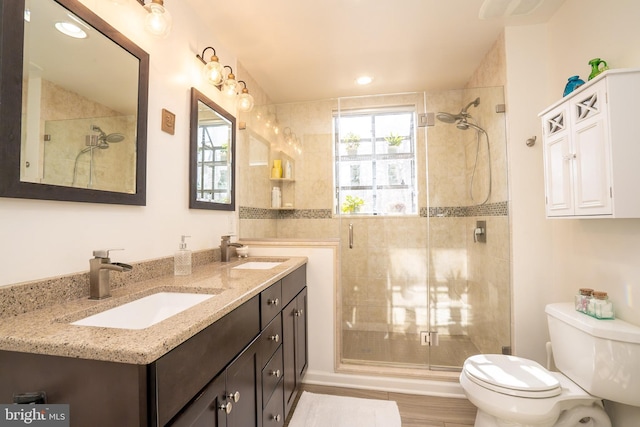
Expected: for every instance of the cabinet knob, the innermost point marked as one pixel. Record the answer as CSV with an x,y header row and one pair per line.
x,y
226,407
276,418
234,396
273,302
276,373
275,338
298,313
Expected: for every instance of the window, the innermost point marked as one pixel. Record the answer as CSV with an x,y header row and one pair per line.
x,y
213,163
375,162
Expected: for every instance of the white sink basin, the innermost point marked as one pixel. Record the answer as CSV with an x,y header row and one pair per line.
x,y
144,312
257,265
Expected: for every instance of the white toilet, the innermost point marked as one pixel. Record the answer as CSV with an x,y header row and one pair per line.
x,y
597,359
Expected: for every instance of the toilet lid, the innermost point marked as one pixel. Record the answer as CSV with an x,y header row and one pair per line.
x,y
511,375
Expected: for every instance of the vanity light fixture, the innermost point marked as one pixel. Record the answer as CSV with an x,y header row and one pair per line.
x,y
245,100
230,85
158,20
212,71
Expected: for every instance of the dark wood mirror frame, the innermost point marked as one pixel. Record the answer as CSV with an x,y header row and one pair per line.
x,y
11,57
194,203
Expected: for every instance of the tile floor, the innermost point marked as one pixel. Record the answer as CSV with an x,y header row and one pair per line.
x,y
415,411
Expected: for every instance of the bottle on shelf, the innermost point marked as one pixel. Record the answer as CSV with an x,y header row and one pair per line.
x,y
276,198
288,173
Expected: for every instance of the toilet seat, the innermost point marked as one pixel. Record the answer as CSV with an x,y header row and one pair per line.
x,y
511,375
506,403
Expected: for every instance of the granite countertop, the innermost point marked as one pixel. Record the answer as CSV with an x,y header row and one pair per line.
x,y
48,330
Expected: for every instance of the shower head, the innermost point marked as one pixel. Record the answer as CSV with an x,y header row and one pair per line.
x,y
114,137
463,124
448,117
456,118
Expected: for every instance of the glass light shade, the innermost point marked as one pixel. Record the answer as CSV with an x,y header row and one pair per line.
x,y
212,72
245,101
158,20
229,87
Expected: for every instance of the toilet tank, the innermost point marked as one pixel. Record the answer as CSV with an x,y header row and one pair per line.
x,y
601,356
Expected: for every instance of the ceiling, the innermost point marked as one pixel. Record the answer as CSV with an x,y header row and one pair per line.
x,y
301,50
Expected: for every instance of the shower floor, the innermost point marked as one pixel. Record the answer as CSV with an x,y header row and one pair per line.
x,y
405,349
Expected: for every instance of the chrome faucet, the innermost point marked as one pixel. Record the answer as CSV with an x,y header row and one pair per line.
x,y
99,267
225,248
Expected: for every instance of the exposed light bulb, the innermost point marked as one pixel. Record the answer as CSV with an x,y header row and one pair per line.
x,y
230,86
245,101
158,20
212,72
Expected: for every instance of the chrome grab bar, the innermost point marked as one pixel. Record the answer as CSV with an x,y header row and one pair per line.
x,y
350,236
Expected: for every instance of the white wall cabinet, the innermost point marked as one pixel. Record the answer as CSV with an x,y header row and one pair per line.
x,y
592,149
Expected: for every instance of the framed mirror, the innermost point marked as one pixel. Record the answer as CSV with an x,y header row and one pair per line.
x,y
73,102
212,178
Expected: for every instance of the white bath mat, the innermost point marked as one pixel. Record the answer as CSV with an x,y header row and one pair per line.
x,y
322,410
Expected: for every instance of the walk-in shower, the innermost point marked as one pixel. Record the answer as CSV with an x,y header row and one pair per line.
x,y
408,267
100,141
465,121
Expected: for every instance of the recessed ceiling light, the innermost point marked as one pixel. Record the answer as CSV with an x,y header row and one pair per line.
x,y
71,30
364,80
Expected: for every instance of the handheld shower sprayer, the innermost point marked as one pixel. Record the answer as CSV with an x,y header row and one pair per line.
x,y
475,103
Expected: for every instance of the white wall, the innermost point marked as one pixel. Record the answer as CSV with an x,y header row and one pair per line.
x,y
42,239
553,258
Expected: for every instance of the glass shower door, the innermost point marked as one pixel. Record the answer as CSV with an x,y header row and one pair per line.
x,y
380,178
424,230
469,256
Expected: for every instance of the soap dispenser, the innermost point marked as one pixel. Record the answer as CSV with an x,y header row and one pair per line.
x,y
182,259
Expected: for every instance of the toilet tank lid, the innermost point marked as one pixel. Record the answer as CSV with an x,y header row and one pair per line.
x,y
613,329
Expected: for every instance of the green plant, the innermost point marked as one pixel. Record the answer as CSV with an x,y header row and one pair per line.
x,y
351,204
394,140
352,140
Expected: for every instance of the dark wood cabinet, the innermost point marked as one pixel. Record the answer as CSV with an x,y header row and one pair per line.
x,y
232,399
295,346
242,371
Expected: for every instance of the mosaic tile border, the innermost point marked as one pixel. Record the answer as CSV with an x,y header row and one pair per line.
x,y
490,209
262,213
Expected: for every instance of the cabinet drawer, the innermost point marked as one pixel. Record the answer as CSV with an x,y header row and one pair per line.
x,y
271,338
273,413
293,283
270,303
271,375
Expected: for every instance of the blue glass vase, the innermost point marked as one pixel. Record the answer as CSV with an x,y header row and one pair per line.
x,y
573,83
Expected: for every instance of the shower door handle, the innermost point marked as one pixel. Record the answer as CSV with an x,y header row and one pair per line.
x,y
350,236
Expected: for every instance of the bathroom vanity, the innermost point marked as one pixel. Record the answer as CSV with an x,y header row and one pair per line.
x,y
236,359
